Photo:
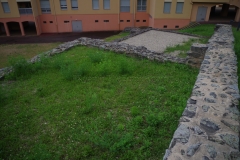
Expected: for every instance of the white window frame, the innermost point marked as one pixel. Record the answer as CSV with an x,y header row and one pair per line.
x,y
181,8
93,4
164,7
141,7
124,7
72,3
45,10
6,10
63,4
105,2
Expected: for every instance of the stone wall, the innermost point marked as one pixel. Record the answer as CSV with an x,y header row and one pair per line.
x,y
209,126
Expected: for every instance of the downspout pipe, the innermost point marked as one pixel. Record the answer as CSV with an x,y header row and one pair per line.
x,y
55,15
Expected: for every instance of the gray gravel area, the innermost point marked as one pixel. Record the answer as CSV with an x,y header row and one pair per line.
x,y
157,40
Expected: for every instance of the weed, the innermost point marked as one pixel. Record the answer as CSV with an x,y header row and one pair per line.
x,y
152,120
135,111
105,68
125,67
90,103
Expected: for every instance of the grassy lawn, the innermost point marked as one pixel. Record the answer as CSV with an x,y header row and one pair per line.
x,y
237,49
26,50
120,35
92,104
202,30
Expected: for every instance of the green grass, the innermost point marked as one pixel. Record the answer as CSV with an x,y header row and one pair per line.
x,y
26,50
183,48
237,48
77,106
120,35
202,30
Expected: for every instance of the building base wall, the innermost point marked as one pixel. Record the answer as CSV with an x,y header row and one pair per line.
x,y
170,23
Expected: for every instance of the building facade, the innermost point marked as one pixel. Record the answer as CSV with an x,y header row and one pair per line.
x,y
59,16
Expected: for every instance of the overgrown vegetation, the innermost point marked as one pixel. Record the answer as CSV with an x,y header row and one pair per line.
x,y
26,50
202,30
92,104
185,46
237,48
120,35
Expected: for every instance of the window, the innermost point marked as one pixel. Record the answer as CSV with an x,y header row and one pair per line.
x,y
165,26
125,6
96,21
176,26
121,20
106,21
6,8
141,5
106,4
66,21
167,7
128,20
179,8
137,20
144,20
45,6
74,4
44,22
95,4
63,4
50,21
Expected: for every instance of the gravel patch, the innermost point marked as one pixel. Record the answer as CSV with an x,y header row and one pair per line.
x,y
157,40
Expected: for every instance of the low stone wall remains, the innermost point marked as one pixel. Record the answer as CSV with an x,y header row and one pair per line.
x,y
209,126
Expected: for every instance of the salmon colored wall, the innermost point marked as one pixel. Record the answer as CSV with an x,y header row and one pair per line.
x,y
88,23
18,19
141,16
171,23
126,16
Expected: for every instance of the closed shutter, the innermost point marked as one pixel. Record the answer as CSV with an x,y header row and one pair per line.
x,y
125,6
179,8
63,4
167,7
5,6
74,4
45,6
95,4
106,4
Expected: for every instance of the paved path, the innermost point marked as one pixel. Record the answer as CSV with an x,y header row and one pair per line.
x,y
49,38
156,40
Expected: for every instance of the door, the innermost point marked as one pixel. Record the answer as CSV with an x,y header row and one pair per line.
x,y
201,14
77,26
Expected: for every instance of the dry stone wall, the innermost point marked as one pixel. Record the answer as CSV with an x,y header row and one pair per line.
x,y
209,126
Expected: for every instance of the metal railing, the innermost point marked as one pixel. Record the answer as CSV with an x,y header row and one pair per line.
x,y
25,11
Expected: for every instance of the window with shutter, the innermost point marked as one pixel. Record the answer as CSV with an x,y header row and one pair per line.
x,y
106,4
6,8
141,5
179,8
95,4
167,7
74,4
45,6
125,6
63,4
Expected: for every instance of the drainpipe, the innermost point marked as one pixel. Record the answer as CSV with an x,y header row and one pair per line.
x,y
36,24
55,16
133,13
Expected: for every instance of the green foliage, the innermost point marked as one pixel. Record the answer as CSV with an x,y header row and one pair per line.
x,y
135,111
118,36
125,116
202,30
125,67
96,57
